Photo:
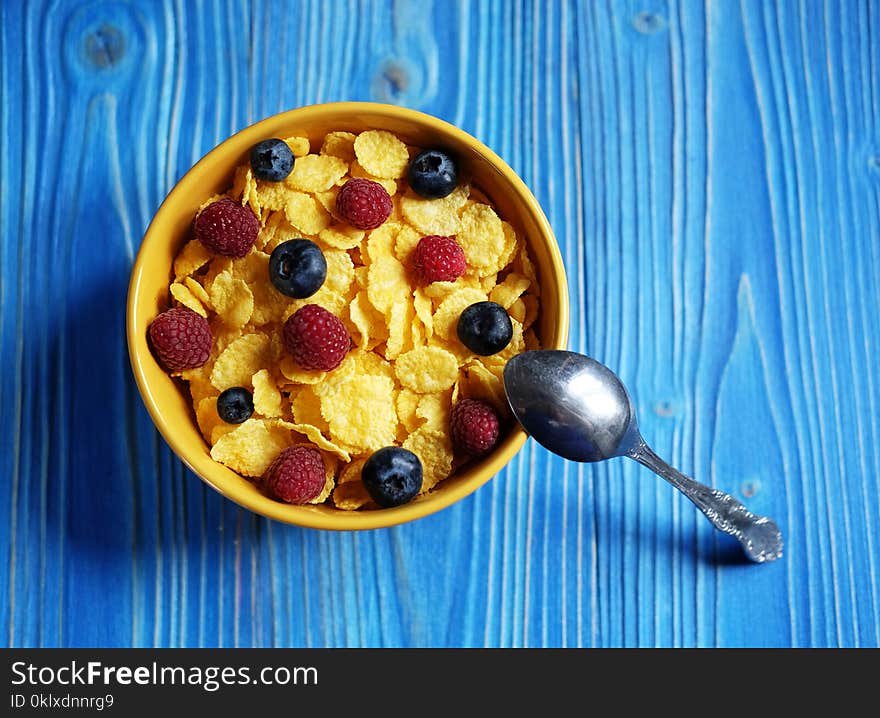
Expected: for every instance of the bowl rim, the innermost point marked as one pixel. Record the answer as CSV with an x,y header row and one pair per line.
x,y
263,505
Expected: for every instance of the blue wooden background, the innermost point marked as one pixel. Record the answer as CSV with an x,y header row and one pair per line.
x,y
712,172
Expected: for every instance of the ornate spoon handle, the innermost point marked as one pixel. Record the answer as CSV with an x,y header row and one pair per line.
x,y
760,536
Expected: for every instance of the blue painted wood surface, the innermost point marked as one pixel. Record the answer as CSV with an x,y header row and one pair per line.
x,y
712,173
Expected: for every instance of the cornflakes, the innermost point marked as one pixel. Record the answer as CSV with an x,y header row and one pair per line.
x,y
381,154
435,216
316,173
360,412
250,447
243,358
267,398
405,369
427,369
305,213
434,449
184,295
339,144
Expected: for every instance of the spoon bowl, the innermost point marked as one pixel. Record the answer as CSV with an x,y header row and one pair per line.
x,y
571,404
578,408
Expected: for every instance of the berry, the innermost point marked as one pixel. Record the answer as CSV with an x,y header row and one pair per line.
x,y
297,268
181,339
235,405
316,338
474,426
392,476
227,228
363,203
439,259
271,160
485,328
433,174
296,475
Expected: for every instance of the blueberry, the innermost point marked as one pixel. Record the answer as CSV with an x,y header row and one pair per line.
x,y
392,476
485,328
271,160
432,174
297,268
235,405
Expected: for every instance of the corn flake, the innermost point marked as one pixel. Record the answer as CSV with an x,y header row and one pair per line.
x,y
517,310
441,290
206,415
232,299
406,403
522,264
405,242
369,323
183,295
478,382
328,201
198,291
434,408
362,362
445,319
386,283
341,236
270,305
400,322
306,408
199,380
300,146
305,213
339,144
423,306
427,369
331,464
380,242
516,344
481,237
270,195
360,412
510,290
267,398
358,172
243,358
316,173
297,375
340,273
350,493
435,216
381,154
191,258
434,450
313,433
251,446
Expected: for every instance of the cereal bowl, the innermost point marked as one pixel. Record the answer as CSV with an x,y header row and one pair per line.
x,y
167,402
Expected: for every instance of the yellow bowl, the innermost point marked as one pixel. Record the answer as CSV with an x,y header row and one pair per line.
x,y
148,294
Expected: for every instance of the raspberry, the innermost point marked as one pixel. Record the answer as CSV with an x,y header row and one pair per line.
x,y
316,338
181,339
474,426
363,203
296,475
227,228
439,259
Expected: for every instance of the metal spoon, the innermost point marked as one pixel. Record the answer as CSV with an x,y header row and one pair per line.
x,y
578,408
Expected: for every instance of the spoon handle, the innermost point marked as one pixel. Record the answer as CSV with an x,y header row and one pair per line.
x,y
760,536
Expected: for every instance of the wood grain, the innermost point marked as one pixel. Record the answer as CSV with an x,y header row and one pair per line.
x,y
712,173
